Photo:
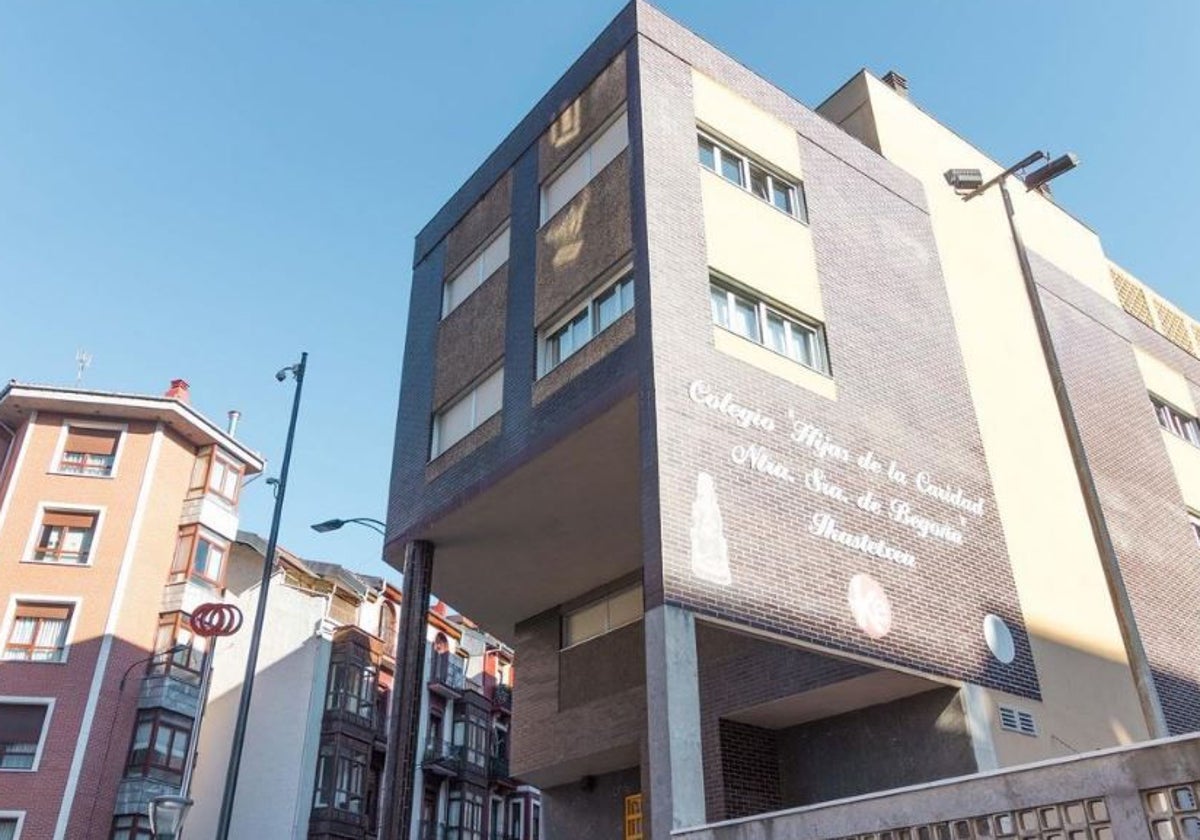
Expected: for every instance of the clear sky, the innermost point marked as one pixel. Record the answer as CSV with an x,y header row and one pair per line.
x,y
202,189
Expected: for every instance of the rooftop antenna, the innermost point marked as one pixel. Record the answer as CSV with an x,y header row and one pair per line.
x,y
83,360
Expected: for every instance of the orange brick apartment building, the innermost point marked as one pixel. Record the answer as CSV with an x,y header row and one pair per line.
x,y
116,516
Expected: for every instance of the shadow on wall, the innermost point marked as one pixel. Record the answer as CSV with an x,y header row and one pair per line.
x,y
107,758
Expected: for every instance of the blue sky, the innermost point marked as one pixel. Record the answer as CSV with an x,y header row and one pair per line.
x,y
204,189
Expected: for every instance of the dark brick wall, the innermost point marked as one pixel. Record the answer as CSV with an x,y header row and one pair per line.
x,y
562,709
905,742
581,117
572,812
1138,490
471,338
902,394
749,770
479,223
588,236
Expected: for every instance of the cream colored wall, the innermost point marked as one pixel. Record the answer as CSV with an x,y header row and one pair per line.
x,y
1168,383
751,241
1089,698
1185,458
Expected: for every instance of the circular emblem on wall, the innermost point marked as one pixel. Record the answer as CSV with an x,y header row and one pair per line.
x,y
216,620
870,606
999,638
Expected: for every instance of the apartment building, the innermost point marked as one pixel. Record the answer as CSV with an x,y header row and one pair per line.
x,y
116,516
781,478
316,760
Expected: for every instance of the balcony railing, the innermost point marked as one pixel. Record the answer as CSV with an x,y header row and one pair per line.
x,y
446,673
502,697
444,756
498,767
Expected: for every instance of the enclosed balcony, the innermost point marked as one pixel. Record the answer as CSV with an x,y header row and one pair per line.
x,y
443,757
446,675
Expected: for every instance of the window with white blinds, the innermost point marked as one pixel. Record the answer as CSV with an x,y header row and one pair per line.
x,y
467,413
598,153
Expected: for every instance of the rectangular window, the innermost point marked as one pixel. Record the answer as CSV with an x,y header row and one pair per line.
x,y
66,537
459,287
759,179
755,320
596,619
633,817
471,733
535,821
89,451
1179,423
131,827
516,819
38,632
199,555
467,413
10,827
592,318
160,746
341,777
352,690
22,729
225,477
175,634
599,153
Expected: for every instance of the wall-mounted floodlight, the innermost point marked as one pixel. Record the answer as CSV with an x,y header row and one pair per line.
x,y
1044,174
964,179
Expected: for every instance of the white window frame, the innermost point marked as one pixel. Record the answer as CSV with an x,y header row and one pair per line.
x,y
1178,422
475,265
19,816
1194,520
31,544
48,702
10,616
763,308
60,447
609,628
589,304
517,815
722,149
435,448
583,154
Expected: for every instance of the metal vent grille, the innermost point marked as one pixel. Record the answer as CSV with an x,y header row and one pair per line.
x,y
1017,720
1174,327
1132,298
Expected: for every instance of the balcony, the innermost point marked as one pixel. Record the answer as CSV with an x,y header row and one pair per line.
x,y
443,757
433,831
446,676
498,770
502,697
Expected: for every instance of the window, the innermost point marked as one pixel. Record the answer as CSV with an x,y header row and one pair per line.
x,y
387,627
131,827
23,726
160,745
758,179
755,320
459,287
596,619
341,777
66,537
10,825
467,413
38,632
352,690
516,819
535,821
598,153
464,815
187,661
225,477
199,555
633,817
1176,422
89,451
471,733
596,315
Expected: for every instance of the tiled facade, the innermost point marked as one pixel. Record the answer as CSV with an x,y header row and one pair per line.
x,y
862,552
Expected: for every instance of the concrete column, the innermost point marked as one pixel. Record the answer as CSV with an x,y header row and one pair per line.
x,y
408,689
676,768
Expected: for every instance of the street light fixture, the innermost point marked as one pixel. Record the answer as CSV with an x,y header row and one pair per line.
x,y
166,816
1143,675
334,524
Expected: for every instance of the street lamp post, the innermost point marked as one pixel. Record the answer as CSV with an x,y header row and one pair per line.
x,y
970,182
260,614
365,521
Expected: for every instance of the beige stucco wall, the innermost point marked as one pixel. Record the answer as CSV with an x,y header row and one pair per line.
x,y
1168,383
769,360
726,113
1089,699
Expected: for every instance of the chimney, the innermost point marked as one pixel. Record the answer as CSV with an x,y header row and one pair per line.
x,y
179,390
234,417
440,608
896,82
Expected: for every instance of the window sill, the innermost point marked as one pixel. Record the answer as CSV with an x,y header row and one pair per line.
x,y
6,661
32,562
804,222
18,769
69,474
764,358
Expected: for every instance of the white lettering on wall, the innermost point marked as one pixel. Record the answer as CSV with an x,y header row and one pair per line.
x,y
725,404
